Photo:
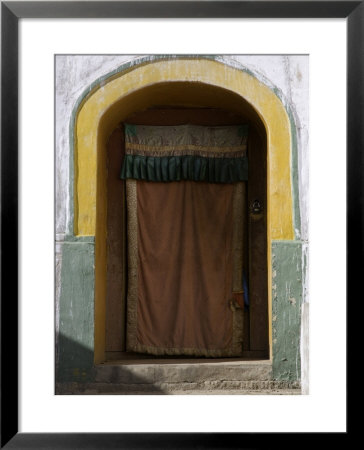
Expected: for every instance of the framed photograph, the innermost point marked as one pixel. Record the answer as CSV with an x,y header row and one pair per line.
x,y
178,175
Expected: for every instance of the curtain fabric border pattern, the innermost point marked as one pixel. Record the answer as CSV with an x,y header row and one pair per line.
x,y
186,152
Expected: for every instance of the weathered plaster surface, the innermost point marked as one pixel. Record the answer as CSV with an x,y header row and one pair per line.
x,y
76,311
287,74
286,306
73,74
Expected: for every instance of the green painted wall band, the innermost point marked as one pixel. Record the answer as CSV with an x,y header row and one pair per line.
x,y
287,293
76,312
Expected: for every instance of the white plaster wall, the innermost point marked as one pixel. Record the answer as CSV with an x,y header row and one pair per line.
x,y
75,72
73,75
287,73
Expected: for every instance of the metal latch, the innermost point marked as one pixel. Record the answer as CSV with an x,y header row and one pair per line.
x,y
256,207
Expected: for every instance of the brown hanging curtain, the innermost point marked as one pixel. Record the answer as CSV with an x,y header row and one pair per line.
x,y
186,223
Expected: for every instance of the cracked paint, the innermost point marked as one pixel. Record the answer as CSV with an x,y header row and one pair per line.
x,y
286,305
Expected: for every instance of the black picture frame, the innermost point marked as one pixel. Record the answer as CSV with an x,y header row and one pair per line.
x,y
11,12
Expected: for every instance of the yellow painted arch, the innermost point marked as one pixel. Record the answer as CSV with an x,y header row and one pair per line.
x,y
101,106
126,92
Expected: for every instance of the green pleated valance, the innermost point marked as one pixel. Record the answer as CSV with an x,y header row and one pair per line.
x,y
186,152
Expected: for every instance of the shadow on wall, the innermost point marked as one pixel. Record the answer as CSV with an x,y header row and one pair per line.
x,y
74,362
76,374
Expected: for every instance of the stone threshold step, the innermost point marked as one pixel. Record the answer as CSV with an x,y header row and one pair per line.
x,y
216,388
152,373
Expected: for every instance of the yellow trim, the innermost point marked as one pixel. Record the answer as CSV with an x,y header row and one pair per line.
x,y
265,102
102,110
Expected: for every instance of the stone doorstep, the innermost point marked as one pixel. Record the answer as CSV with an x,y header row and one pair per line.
x,y
158,378
203,388
157,373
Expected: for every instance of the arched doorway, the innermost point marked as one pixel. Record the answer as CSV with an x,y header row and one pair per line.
x,y
140,87
197,104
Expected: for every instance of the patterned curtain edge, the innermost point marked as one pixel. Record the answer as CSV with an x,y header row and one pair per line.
x,y
186,167
186,152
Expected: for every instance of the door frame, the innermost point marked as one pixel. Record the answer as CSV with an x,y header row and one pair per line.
x,y
256,342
